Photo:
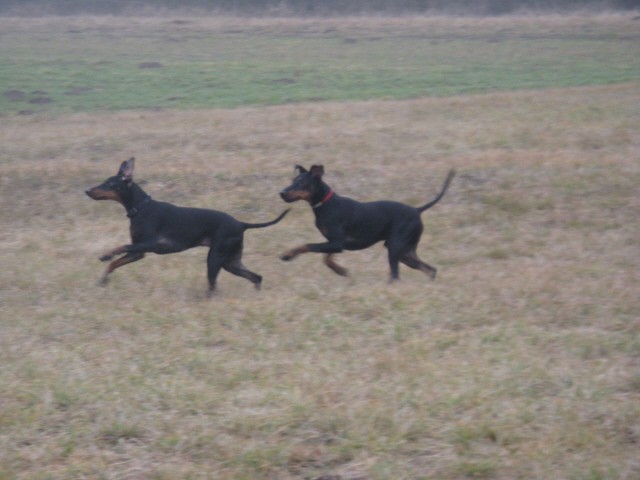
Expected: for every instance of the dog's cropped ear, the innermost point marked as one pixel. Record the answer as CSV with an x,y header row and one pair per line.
x,y
126,169
298,169
317,171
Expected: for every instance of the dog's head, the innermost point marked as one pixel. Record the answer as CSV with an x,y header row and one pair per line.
x,y
305,185
116,187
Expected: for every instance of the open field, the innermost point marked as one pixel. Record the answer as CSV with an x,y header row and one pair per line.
x,y
103,63
522,360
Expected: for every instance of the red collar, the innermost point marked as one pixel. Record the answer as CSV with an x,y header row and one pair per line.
x,y
326,198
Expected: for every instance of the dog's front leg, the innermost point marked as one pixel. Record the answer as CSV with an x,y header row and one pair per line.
x,y
294,252
340,270
143,247
112,253
128,258
327,247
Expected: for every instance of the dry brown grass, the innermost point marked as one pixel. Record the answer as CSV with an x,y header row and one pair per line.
x,y
522,360
533,23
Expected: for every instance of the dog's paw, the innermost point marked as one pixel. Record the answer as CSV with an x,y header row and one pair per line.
x,y
103,281
343,272
106,257
287,256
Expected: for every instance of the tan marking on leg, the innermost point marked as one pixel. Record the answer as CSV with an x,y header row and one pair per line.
x,y
293,253
112,253
117,264
328,261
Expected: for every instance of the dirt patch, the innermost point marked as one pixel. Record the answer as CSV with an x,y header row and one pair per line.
x,y
40,100
77,91
150,65
286,81
14,95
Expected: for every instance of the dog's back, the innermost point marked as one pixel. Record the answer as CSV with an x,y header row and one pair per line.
x,y
367,223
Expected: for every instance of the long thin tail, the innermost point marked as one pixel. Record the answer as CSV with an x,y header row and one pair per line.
x,y
452,173
266,224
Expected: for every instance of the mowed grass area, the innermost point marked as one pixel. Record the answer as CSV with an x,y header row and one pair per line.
x,y
521,360
102,63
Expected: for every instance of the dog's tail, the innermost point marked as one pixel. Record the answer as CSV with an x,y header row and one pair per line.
x,y
452,173
265,224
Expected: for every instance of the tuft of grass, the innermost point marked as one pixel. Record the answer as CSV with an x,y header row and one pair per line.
x,y
119,432
481,469
465,435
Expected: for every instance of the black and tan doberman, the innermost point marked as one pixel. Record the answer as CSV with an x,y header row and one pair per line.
x,y
351,225
163,228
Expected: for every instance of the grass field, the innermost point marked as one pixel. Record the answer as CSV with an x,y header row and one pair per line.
x,y
521,360
71,65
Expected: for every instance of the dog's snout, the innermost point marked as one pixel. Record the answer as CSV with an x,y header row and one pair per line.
x,y
92,193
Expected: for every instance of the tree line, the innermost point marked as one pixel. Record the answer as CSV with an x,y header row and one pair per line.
x,y
311,7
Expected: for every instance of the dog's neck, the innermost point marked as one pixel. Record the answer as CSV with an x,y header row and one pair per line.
x,y
136,200
322,196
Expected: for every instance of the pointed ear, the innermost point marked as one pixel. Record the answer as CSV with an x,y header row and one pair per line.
x,y
298,169
317,171
126,169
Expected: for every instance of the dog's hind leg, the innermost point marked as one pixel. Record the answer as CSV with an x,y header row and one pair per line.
x,y
412,260
235,266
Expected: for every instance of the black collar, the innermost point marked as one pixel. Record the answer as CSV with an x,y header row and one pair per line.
x,y
132,212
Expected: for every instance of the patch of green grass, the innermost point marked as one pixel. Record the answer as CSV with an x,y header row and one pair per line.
x,y
477,469
465,435
63,65
594,473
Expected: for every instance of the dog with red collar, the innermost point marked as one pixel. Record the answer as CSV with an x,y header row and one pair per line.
x,y
351,225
